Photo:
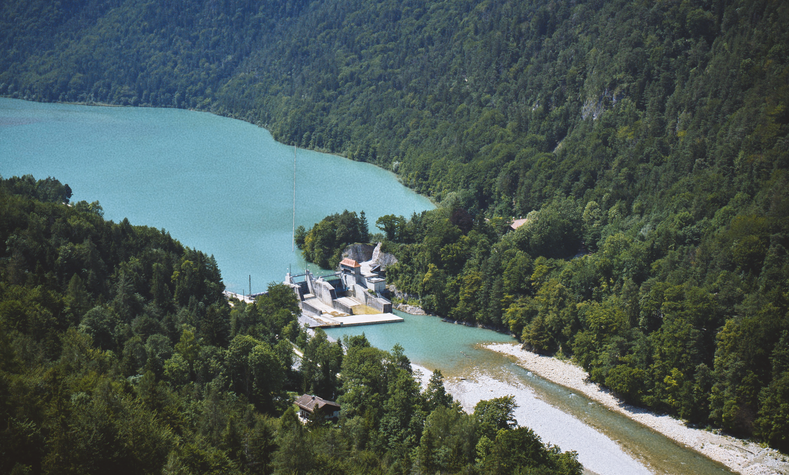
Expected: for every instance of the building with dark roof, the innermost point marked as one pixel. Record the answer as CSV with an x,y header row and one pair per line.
x,y
308,404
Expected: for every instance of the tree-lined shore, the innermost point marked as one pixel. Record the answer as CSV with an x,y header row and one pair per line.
x,y
119,354
646,144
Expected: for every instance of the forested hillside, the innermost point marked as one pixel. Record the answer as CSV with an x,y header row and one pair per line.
x,y
504,102
647,138
119,354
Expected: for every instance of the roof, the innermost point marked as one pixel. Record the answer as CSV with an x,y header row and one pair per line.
x,y
349,262
518,223
309,403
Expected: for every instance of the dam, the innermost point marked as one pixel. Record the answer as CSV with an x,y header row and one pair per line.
x,y
349,297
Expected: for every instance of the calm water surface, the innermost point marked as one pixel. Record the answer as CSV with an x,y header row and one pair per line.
x,y
219,185
226,187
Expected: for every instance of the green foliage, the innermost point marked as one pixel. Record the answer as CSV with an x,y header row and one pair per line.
x,y
114,349
678,313
650,136
295,454
153,375
392,226
553,231
513,448
324,243
435,394
494,415
321,365
448,441
503,107
255,371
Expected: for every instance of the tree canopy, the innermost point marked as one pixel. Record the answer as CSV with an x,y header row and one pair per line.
x,y
646,144
119,354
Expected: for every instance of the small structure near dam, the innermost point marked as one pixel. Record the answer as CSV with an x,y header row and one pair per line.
x,y
350,296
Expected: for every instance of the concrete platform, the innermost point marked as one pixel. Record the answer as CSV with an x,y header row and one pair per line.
x,y
323,308
354,320
348,302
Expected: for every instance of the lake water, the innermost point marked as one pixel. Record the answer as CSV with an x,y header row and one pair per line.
x,y
226,187
219,185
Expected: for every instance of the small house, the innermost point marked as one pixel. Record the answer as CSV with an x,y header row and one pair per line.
x,y
350,267
308,404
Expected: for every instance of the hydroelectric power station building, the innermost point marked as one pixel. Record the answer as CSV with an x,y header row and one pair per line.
x,y
350,296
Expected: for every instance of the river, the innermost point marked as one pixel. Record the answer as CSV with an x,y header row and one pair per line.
x,y
607,442
226,187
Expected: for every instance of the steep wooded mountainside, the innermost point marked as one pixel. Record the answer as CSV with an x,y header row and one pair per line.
x,y
651,136
505,102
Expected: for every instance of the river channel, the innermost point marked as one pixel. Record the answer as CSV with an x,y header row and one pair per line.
x,y
607,442
226,187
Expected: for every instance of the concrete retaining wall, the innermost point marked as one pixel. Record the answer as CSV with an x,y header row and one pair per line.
x,y
324,291
362,295
342,307
310,309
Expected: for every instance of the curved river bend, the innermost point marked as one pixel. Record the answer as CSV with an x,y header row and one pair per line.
x,y
226,187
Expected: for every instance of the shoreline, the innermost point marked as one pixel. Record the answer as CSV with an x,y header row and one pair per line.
x,y
228,115
738,455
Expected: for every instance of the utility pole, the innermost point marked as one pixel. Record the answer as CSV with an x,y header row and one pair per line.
x,y
293,239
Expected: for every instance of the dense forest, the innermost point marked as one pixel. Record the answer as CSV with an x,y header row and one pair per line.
x,y
646,143
119,354
505,103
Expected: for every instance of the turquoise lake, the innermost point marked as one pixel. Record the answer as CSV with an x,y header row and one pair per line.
x,y
219,185
225,187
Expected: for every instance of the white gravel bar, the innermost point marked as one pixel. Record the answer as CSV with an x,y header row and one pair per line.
x,y
596,451
738,455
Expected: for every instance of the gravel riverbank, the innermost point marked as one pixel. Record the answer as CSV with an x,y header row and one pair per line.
x,y
598,453
738,455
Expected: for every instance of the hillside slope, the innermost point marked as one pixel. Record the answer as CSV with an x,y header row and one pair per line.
x,y
119,354
651,136
507,102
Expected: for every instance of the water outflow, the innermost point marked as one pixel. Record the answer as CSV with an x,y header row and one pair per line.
x,y
607,442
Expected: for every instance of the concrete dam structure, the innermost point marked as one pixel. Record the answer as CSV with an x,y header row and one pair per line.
x,y
350,296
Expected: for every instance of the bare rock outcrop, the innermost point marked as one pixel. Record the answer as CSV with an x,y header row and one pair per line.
x,y
359,252
412,309
382,259
369,253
